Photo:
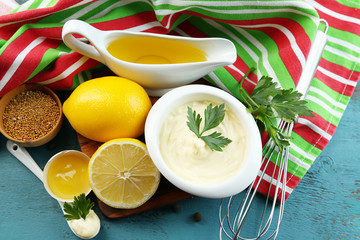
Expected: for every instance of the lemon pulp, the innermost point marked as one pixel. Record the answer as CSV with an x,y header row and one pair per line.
x,y
68,177
122,174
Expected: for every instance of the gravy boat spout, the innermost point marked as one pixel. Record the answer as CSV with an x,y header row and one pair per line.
x,y
155,61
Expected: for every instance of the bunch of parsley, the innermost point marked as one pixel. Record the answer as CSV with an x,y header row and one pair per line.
x,y
268,102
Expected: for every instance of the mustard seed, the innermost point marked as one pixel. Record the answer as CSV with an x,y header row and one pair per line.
x,y
30,115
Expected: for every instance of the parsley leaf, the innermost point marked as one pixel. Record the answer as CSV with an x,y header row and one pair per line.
x,y
80,208
213,117
194,121
269,103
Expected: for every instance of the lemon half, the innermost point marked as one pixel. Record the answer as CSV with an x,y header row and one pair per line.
x,y
122,174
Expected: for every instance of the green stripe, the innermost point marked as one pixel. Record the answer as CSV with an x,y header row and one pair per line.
x,y
316,83
26,27
349,3
35,4
304,145
292,167
124,11
2,42
323,113
345,36
52,3
115,12
341,60
76,82
303,17
296,170
241,10
48,59
211,31
344,48
59,16
179,20
274,59
300,157
231,84
338,59
327,102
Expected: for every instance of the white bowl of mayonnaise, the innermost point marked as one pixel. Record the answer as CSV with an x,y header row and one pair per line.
x,y
185,159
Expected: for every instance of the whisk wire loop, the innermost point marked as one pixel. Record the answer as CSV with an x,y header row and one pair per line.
x,y
277,182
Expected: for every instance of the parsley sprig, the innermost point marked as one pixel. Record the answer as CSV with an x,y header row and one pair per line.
x,y
213,117
269,102
80,208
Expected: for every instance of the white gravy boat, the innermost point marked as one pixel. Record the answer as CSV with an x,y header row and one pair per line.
x,y
156,78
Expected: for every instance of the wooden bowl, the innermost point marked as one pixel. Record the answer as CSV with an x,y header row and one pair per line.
x,y
43,139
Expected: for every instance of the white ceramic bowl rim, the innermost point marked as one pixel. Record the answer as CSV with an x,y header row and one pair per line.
x,y
46,169
181,95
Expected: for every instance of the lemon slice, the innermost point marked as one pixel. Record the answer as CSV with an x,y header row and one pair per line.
x,y
122,174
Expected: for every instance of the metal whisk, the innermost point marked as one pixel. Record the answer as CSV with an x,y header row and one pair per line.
x,y
231,226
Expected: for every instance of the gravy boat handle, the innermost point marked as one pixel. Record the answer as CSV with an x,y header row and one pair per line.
x,y
86,30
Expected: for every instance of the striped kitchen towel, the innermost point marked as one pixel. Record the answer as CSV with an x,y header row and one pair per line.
x,y
273,36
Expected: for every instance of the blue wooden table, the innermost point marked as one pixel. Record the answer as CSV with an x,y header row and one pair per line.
x,y
325,205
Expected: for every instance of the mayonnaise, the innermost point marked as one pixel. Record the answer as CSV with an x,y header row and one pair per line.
x,y
86,228
190,158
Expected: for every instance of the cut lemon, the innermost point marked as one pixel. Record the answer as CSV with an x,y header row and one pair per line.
x,y
122,174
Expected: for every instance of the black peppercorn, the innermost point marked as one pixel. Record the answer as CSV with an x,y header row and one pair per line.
x,y
197,217
51,145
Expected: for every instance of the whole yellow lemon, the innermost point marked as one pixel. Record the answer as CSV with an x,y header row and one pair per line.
x,y
105,108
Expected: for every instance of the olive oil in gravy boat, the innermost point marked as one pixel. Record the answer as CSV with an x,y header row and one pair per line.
x,y
156,78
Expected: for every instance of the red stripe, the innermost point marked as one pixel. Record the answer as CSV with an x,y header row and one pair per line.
x,y
334,84
59,66
6,32
157,29
321,123
291,181
337,23
68,81
174,17
27,66
19,19
294,27
191,30
340,8
340,70
24,16
311,136
264,188
18,45
286,52
126,22
243,67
